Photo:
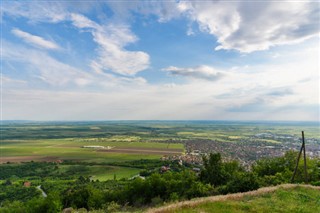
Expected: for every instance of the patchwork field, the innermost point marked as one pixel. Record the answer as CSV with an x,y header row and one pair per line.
x,y
121,148
134,140
72,149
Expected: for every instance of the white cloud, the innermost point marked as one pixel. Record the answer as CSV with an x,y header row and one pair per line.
x,y
35,40
10,82
239,95
44,67
201,72
81,21
251,26
40,66
36,11
113,56
245,26
277,90
112,41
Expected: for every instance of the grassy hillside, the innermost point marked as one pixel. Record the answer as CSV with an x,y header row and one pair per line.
x,y
283,198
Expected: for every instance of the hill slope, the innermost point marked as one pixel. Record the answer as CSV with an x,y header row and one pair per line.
x,y
282,198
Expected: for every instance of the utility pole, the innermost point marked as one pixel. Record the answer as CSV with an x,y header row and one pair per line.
x,y
303,148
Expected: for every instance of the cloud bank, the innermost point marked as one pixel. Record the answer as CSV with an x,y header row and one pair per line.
x,y
248,26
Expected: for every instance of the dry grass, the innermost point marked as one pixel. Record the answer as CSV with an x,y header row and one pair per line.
x,y
237,196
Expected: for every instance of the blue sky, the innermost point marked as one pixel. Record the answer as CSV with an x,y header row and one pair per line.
x,y
194,60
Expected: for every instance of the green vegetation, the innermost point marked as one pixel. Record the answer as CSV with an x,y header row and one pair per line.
x,y
273,171
227,177
67,190
297,199
128,174
66,170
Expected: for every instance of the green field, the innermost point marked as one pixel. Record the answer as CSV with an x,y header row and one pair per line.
x,y
71,149
100,172
296,199
130,140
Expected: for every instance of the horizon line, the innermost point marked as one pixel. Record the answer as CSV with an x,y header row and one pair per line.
x,y
160,120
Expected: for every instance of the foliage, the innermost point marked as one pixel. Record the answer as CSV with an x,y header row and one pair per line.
x,y
213,170
141,164
228,177
241,182
39,169
167,186
17,192
216,177
273,171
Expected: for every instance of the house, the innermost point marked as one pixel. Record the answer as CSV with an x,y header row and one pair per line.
x,y
164,168
27,184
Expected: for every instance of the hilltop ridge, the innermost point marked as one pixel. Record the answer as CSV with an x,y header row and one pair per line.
x,y
306,199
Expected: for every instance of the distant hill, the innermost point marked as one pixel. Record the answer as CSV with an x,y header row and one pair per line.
x,y
283,198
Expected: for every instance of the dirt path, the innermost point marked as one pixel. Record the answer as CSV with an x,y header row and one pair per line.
x,y
42,192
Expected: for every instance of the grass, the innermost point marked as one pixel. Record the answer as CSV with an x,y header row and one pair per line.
x,y
102,172
118,172
286,198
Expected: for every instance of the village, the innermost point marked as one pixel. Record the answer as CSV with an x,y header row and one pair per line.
x,y
246,151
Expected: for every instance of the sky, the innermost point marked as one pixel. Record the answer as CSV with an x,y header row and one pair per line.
x,y
160,60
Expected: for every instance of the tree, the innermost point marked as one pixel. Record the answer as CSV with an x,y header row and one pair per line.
x,y
217,172
272,171
53,203
212,172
